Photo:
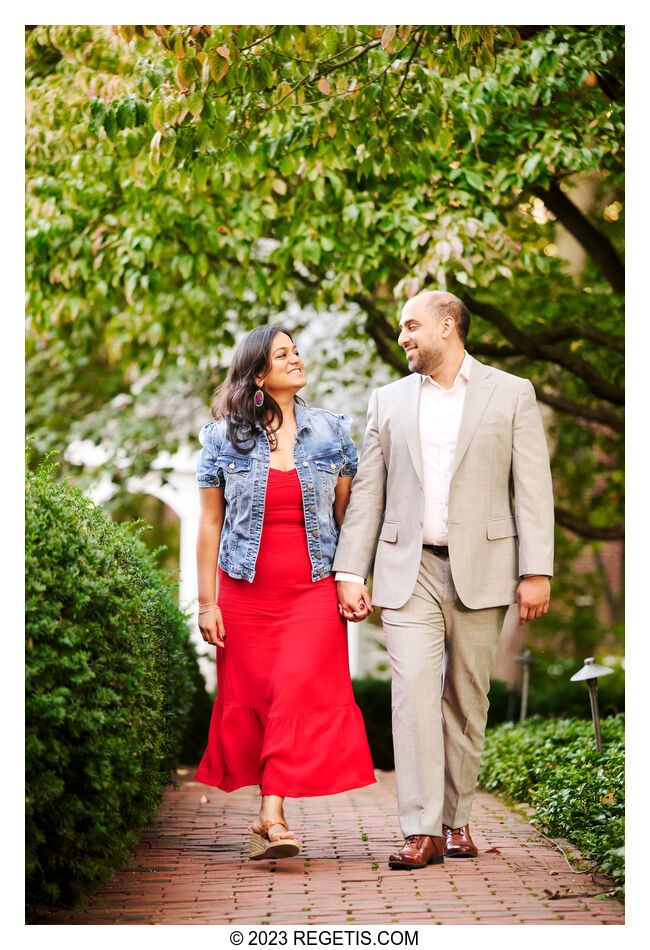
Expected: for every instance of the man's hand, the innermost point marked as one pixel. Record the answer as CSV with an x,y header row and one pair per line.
x,y
533,596
354,601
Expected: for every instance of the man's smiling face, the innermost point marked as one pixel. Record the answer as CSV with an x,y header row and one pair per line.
x,y
420,336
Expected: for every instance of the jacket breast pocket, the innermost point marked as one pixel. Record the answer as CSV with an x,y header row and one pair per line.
x,y
501,528
328,468
388,532
329,464
237,470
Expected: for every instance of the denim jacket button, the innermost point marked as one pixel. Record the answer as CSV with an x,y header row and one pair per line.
x,y
310,485
312,511
305,464
314,534
332,465
316,553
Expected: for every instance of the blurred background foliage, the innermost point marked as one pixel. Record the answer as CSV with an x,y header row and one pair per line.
x,y
185,183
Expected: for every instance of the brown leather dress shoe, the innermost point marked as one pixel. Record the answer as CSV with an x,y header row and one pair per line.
x,y
458,843
417,852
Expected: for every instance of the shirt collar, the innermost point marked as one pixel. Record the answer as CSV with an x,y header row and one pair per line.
x,y
463,372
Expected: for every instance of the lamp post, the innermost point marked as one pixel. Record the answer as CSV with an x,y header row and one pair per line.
x,y
527,660
590,672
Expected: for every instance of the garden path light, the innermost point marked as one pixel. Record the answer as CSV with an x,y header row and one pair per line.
x,y
590,672
527,660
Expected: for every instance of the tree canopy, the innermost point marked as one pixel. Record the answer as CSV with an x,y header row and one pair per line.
x,y
187,182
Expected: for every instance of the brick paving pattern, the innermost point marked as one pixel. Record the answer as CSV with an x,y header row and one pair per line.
x,y
192,867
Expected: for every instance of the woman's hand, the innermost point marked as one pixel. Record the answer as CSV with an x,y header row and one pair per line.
x,y
354,601
211,627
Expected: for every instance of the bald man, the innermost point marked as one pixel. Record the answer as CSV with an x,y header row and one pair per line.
x,y
455,470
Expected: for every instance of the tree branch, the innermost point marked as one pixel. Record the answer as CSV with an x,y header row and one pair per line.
x,y
570,331
420,37
528,344
584,529
599,247
242,49
608,417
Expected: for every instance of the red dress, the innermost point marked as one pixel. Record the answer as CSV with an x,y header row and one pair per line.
x,y
285,716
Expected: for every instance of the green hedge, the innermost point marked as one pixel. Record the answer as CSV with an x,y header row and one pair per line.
x,y
373,699
109,690
577,793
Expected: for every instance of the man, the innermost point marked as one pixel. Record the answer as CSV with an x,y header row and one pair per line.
x,y
455,462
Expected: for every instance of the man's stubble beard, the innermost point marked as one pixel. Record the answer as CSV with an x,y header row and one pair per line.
x,y
428,362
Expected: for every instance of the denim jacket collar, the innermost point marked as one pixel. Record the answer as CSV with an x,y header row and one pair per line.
x,y
302,417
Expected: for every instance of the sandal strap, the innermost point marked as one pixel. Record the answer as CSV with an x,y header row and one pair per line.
x,y
269,824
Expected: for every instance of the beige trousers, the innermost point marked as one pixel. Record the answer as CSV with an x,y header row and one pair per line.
x,y
442,655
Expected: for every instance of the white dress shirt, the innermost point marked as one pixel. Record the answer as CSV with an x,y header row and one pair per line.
x,y
440,413
439,422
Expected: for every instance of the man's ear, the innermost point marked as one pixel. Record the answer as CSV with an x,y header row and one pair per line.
x,y
448,324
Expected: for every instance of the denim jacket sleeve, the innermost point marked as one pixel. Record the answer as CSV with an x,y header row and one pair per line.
x,y
208,475
348,447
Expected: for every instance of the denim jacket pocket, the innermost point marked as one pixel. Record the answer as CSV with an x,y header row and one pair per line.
x,y
236,469
332,464
328,467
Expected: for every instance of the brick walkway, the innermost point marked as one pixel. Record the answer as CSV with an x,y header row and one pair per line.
x,y
191,867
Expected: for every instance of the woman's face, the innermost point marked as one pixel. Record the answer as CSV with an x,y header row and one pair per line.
x,y
286,374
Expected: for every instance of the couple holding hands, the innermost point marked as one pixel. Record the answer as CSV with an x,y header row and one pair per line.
x,y
454,478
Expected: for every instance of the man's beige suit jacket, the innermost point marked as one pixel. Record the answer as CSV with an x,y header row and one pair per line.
x,y
500,497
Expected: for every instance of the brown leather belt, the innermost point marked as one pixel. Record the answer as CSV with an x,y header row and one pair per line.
x,y
441,550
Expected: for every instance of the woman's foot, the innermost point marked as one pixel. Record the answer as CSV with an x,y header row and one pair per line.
x,y
273,827
272,839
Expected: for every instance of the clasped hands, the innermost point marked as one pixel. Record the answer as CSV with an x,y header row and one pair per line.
x,y
354,601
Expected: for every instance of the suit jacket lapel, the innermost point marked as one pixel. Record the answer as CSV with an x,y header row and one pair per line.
x,y
409,420
480,386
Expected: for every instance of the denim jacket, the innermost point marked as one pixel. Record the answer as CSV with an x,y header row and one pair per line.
x,y
323,450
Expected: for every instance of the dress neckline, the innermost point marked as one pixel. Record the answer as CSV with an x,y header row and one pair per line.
x,y
284,471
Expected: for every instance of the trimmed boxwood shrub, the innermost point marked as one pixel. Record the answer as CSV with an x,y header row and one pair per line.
x,y
109,690
577,793
373,699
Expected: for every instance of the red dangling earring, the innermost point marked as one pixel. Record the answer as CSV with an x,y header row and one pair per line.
x,y
259,398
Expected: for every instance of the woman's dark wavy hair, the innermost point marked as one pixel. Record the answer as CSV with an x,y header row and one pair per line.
x,y
234,401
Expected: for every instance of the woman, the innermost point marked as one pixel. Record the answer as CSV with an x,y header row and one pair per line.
x,y
274,480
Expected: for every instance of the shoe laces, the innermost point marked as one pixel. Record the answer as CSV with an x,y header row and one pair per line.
x,y
410,839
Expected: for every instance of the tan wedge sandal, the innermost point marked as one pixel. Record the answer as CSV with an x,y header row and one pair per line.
x,y
263,848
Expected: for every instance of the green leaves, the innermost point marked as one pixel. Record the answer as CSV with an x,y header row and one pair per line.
x,y
110,124
105,712
195,103
218,65
577,793
302,147
125,113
